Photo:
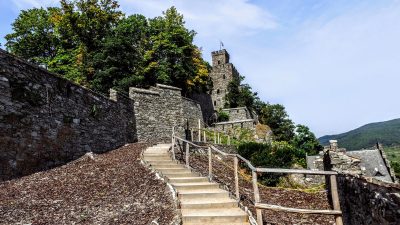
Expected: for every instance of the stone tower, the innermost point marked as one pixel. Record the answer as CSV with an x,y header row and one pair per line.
x,y
222,73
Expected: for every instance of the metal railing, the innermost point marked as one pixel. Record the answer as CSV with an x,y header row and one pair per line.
x,y
259,206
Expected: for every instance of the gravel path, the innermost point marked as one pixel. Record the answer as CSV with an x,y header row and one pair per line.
x,y
111,188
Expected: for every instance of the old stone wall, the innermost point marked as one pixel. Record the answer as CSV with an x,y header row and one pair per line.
x,y
226,126
206,105
368,201
192,113
235,114
46,121
160,108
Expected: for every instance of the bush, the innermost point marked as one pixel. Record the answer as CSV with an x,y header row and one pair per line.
x,y
274,155
223,116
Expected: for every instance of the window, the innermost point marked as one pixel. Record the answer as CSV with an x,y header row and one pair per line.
x,y
224,76
217,91
215,103
219,62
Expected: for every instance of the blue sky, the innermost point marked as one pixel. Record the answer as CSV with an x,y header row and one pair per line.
x,y
334,65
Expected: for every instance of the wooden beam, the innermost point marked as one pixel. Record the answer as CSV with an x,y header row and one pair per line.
x,y
295,210
257,197
236,162
199,130
209,164
335,199
187,154
295,171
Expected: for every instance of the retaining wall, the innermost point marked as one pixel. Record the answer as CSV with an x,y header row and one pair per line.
x,y
46,121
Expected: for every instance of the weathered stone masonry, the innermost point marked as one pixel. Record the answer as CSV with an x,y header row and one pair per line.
x,y
46,120
160,108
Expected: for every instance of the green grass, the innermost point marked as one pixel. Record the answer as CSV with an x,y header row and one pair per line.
x,y
393,154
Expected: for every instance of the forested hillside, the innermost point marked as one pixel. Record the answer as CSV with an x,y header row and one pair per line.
x,y
387,133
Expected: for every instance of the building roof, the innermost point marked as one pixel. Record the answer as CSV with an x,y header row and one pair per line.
x,y
372,164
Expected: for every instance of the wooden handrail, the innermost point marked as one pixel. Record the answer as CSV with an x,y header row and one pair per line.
x,y
258,205
295,210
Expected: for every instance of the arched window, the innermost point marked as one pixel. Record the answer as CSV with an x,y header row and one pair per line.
x,y
224,76
217,91
215,103
219,62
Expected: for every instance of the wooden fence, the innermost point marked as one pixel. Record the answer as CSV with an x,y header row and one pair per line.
x,y
257,203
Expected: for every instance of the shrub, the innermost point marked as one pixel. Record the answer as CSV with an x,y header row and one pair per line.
x,y
223,116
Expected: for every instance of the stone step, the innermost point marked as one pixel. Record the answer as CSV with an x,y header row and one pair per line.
x,y
195,186
201,223
230,215
198,194
187,180
179,174
208,203
157,157
173,170
176,166
162,162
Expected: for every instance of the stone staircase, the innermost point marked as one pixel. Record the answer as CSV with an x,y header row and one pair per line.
x,y
201,201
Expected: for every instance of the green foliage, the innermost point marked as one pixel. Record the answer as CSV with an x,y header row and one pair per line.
x,y
386,133
276,117
274,155
223,116
306,141
34,36
92,43
240,95
393,154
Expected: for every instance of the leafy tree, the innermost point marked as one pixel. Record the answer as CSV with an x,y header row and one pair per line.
x,y
34,36
170,59
240,95
306,141
88,22
276,117
120,63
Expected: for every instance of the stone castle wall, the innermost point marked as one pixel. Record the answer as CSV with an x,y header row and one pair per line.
x,y
368,201
160,108
206,105
235,114
46,121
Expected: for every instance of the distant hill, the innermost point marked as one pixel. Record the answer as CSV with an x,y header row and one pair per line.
x,y
387,133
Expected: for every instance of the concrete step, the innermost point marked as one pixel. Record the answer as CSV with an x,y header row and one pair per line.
x,y
230,215
162,162
202,194
196,186
176,166
173,170
179,174
156,158
187,180
209,203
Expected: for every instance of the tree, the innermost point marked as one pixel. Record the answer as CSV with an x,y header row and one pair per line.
x,y
33,36
88,22
277,119
120,62
305,140
240,95
172,56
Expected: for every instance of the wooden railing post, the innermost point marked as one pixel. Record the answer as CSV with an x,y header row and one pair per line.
x,y
229,140
257,197
335,199
191,135
204,136
218,139
236,162
215,138
187,154
199,131
209,164
173,147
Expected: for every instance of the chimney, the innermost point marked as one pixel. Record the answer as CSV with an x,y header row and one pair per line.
x,y
333,145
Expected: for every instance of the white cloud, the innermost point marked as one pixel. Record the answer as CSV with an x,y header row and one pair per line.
x,y
334,75
210,18
27,4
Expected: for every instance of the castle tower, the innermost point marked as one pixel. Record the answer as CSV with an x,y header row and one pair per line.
x,y
222,73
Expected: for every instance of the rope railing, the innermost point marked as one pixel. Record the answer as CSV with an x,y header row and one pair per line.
x,y
259,206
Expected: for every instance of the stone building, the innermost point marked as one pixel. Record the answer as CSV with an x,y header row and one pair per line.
x,y
370,163
222,73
